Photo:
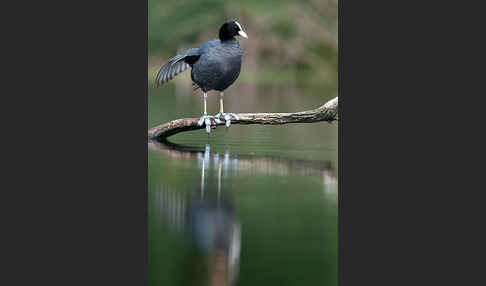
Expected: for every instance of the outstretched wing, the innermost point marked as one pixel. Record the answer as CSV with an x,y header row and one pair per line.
x,y
176,65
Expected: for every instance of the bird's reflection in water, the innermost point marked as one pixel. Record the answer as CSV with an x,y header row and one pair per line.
x,y
208,213
209,219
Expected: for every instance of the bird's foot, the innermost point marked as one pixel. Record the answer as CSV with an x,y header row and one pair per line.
x,y
206,120
226,116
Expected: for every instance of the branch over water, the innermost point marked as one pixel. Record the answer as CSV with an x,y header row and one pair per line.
x,y
328,112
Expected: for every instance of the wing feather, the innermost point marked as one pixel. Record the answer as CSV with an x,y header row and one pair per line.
x,y
176,65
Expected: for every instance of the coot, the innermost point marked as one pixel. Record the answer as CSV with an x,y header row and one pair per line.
x,y
215,66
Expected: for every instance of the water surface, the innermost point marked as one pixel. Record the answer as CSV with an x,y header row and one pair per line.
x,y
248,205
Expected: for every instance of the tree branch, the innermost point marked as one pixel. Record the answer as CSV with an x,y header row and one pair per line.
x,y
328,112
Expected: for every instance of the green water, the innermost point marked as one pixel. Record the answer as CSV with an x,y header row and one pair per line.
x,y
248,205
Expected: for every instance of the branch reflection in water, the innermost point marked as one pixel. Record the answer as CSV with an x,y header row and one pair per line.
x,y
245,163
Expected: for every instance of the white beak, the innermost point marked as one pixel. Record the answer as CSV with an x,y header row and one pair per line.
x,y
243,34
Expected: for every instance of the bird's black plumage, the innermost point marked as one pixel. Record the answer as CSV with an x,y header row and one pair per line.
x,y
215,64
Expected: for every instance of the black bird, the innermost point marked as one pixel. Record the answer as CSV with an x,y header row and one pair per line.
x,y
215,65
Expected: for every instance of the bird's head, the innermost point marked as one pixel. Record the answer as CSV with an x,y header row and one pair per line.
x,y
231,29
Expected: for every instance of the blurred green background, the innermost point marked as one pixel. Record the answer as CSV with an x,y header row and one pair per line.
x,y
276,185
293,42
